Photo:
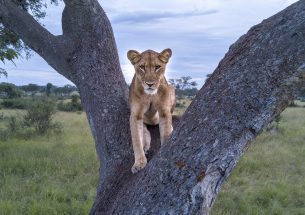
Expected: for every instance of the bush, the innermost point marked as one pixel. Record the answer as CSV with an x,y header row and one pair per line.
x,y
37,120
274,126
72,106
3,134
17,103
40,115
293,104
13,124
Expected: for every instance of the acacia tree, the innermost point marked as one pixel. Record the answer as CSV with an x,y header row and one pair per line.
x,y
253,83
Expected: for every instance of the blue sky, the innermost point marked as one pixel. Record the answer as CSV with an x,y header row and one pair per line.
x,y
198,31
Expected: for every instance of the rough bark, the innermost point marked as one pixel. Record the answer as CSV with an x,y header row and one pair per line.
x,y
254,82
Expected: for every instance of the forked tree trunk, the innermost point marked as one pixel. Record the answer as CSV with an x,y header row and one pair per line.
x,y
254,82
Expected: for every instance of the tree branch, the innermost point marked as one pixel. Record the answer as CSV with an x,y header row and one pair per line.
x,y
254,82
33,34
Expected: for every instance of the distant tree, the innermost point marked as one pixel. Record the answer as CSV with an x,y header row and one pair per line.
x,y
9,91
209,75
183,83
75,98
184,86
30,88
65,90
48,89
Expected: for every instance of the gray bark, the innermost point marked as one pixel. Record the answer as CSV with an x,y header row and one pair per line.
x,y
254,83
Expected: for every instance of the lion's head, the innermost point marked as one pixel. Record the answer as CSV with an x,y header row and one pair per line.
x,y
149,67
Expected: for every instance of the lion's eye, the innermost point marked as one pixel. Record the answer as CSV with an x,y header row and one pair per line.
x,y
157,67
142,67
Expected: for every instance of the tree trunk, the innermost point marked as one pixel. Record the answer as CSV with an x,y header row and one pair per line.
x,y
254,82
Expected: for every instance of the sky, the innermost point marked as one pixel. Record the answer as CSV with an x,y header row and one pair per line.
x,y
199,32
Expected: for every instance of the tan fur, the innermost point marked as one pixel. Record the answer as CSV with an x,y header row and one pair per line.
x,y
151,101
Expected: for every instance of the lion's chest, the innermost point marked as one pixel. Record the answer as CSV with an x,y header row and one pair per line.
x,y
151,108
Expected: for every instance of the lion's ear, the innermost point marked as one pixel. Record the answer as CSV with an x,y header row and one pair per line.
x,y
133,56
165,55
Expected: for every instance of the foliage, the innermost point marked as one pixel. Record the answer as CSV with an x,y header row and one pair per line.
x,y
72,106
11,46
16,103
183,83
21,97
54,174
293,104
184,86
275,125
10,91
58,174
48,89
269,179
37,119
65,90
40,115
3,72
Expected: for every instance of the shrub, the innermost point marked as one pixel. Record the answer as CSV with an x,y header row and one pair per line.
x,y
37,120
17,103
3,134
72,106
274,127
13,124
40,115
293,104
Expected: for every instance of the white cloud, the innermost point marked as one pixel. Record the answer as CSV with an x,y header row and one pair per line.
x,y
128,71
199,32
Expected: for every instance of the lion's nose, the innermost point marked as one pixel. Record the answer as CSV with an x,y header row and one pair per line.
x,y
149,84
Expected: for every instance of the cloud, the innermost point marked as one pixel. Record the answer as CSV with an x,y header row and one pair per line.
x,y
128,71
153,16
198,32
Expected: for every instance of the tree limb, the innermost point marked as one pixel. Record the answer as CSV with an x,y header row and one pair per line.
x,y
33,34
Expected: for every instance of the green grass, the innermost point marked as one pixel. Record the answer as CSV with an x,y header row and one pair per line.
x,y
49,175
270,178
58,174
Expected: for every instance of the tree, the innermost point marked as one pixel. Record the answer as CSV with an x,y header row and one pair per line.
x,y
9,91
183,83
48,89
184,86
32,88
254,82
65,90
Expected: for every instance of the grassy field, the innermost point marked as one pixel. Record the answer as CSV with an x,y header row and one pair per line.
x,y
270,178
58,174
49,175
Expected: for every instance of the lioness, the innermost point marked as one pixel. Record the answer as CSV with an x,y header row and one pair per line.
x,y
151,101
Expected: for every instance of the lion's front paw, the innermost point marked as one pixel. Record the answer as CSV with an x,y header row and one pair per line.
x,y
138,165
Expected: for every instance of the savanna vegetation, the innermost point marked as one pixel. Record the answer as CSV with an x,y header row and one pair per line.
x,y
54,169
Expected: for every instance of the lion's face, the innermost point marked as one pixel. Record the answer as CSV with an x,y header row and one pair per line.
x,y
149,67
